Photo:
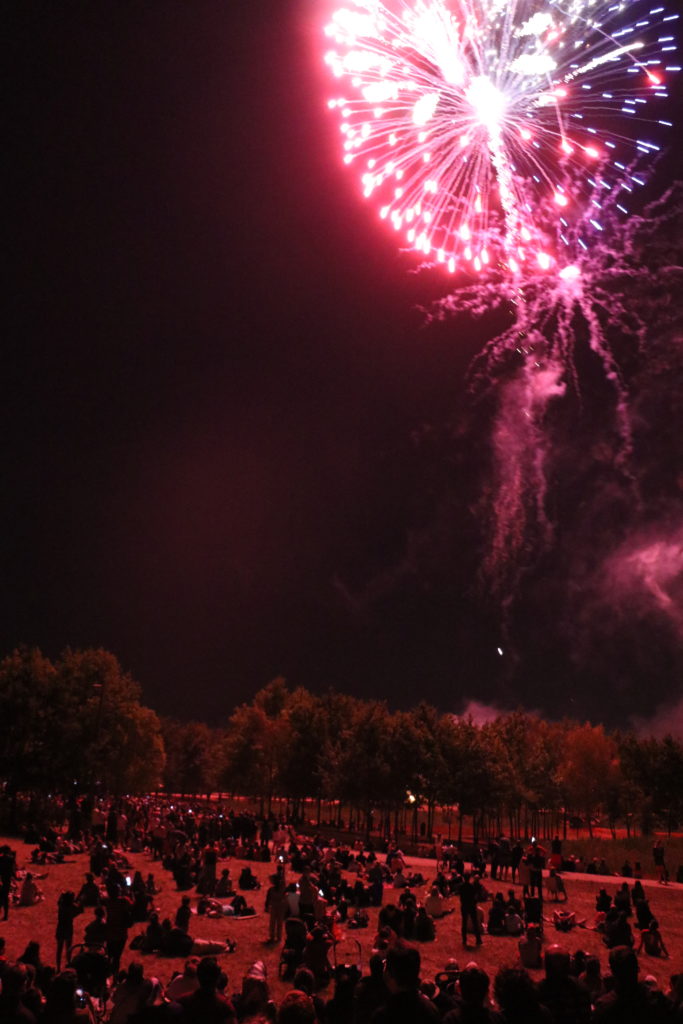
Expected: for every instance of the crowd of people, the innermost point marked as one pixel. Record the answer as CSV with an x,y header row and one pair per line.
x,y
316,894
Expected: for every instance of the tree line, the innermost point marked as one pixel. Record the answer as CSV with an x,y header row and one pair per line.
x,y
79,724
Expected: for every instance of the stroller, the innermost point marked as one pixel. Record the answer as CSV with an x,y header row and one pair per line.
x,y
347,960
93,968
292,954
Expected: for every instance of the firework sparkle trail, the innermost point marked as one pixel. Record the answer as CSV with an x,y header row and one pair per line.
x,y
484,130
506,140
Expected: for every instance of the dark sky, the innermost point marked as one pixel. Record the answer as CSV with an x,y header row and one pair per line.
x,y
230,446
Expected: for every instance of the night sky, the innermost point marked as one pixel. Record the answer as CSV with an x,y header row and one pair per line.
x,y
231,447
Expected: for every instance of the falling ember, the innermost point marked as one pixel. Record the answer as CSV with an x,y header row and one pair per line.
x,y
570,273
483,108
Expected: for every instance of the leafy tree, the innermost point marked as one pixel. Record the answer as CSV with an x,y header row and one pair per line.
x,y
357,767
256,741
26,687
100,731
303,746
473,768
75,723
589,769
193,757
529,752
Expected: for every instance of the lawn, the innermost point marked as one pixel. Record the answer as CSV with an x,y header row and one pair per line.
x,y
39,923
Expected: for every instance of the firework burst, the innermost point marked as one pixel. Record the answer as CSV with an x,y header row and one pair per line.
x,y
484,130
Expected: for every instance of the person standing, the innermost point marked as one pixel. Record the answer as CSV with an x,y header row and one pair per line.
x,y
276,906
209,863
660,864
67,910
119,919
468,910
8,870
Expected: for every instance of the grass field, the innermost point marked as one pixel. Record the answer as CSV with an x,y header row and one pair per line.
x,y
39,923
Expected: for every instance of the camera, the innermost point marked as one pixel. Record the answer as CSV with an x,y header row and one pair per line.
x,y
81,998
128,880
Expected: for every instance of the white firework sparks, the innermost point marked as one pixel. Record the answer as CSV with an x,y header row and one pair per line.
x,y
484,130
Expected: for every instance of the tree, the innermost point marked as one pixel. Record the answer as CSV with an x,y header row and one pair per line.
x,y
529,752
472,758
589,769
303,747
255,744
26,688
75,723
357,767
193,757
101,732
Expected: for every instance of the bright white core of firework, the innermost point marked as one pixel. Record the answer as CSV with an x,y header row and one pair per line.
x,y
487,102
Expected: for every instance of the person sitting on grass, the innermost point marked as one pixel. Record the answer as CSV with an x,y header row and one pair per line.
x,y
434,903
131,995
514,923
224,886
62,1004
89,893
591,978
424,930
496,920
207,1003
651,938
643,913
370,992
563,994
14,985
474,1005
565,920
622,899
531,947
405,1002
617,930
603,902
517,998
31,955
184,984
318,944
629,1002
29,893
296,1008
513,902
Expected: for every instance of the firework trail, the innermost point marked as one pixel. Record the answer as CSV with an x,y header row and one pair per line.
x,y
618,289
503,140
